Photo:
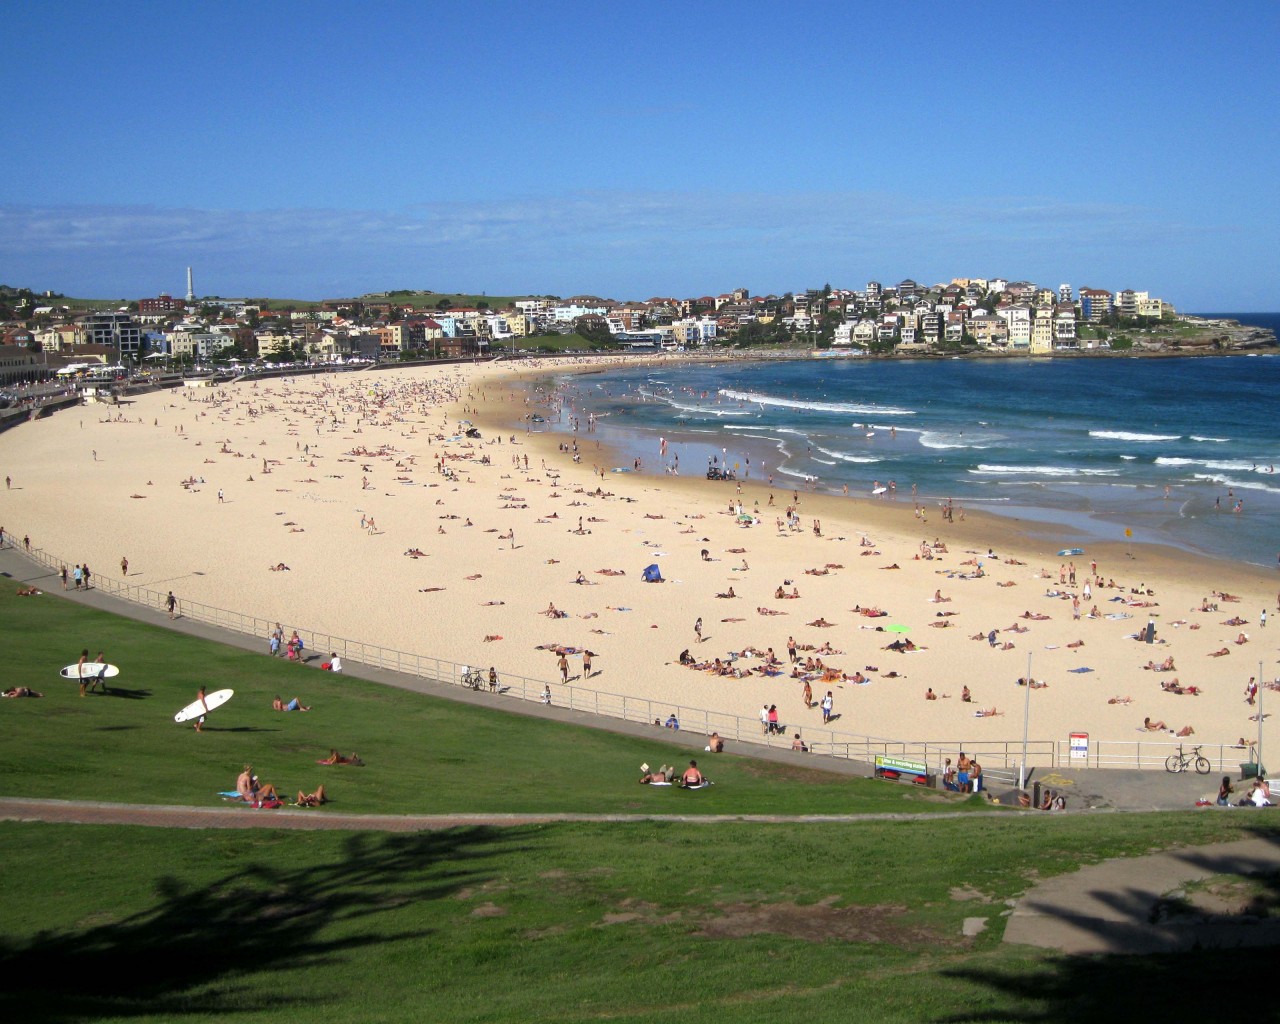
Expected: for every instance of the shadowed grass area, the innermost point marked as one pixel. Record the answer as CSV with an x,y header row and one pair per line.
x,y
422,754
567,922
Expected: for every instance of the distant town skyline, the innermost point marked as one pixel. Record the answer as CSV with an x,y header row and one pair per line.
x,y
644,151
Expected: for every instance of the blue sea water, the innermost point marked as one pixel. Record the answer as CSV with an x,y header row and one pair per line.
x,y
1083,447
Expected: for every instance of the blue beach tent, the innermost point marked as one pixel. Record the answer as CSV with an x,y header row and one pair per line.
x,y
652,574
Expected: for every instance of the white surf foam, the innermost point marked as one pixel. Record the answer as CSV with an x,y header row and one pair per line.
x,y
846,456
1125,435
1234,484
984,469
848,408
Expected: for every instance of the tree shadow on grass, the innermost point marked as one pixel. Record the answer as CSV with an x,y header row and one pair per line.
x,y
203,950
1168,959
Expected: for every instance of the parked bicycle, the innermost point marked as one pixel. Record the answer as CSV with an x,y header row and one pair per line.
x,y
472,677
1180,761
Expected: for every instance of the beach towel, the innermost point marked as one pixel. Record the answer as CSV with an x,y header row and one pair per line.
x,y
1079,670
231,793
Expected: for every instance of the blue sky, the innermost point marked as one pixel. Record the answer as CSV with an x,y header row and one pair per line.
x,y
324,149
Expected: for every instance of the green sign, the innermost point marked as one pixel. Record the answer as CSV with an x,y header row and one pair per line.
x,y
899,764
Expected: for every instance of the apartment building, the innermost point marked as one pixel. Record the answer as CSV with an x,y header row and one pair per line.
x,y
1095,304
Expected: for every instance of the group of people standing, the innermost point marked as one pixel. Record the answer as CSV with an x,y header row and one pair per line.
x,y
80,576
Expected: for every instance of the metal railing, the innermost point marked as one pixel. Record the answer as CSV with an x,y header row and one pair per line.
x,y
1136,754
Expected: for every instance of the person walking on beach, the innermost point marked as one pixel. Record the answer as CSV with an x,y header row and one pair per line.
x,y
697,629
171,603
586,664
124,566
828,702
564,669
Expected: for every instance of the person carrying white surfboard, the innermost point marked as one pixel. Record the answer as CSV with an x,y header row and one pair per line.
x,y
100,677
200,720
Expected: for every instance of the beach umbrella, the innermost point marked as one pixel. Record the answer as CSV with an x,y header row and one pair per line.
x,y
897,628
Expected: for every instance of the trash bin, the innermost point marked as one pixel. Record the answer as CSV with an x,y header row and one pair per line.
x,y
1251,770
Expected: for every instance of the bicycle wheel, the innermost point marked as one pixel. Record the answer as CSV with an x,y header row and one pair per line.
x,y
1203,767
1173,763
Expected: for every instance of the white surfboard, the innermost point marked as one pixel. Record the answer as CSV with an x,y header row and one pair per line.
x,y
879,490
211,700
89,670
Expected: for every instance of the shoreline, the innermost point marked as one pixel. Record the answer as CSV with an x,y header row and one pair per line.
x,y
471,583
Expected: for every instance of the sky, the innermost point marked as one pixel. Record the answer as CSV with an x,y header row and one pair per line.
x,y
331,149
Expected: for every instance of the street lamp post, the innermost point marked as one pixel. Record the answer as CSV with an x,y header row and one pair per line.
x,y
1026,721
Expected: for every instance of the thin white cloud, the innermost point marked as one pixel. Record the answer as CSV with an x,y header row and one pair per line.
x,y
621,243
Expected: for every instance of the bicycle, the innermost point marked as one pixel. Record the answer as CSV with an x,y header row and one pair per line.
x,y
473,678
1180,762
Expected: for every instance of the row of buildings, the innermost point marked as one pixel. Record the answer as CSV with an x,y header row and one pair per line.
x,y
994,314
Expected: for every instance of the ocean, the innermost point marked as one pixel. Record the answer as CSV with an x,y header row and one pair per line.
x,y
1087,448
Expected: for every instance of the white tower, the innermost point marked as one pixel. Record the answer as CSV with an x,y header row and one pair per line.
x,y
191,295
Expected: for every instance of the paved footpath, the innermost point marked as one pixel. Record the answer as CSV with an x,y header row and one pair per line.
x,y
1116,906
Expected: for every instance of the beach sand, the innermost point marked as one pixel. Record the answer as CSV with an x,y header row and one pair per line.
x,y
336,476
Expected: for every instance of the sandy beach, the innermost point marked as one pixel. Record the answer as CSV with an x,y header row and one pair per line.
x,y
354,504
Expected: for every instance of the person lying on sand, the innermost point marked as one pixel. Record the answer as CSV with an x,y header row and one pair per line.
x,y
987,713
1151,726
1120,700
768,611
821,623
1035,684
728,593
278,567
1221,653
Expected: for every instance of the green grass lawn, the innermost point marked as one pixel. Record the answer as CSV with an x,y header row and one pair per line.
x,y
422,754
571,921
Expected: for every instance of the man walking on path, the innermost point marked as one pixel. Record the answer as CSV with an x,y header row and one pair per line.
x,y
171,603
